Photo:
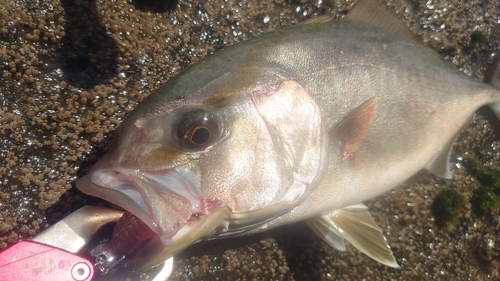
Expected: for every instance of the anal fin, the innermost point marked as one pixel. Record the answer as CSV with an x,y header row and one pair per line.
x,y
354,224
323,228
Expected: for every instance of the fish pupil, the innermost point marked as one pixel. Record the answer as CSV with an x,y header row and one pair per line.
x,y
200,136
198,128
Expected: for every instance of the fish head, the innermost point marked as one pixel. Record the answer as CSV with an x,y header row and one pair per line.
x,y
198,160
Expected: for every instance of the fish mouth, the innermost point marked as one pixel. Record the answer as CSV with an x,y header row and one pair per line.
x,y
165,201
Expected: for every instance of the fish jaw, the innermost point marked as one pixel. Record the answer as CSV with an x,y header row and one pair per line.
x,y
165,201
192,232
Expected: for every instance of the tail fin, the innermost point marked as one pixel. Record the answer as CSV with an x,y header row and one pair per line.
x,y
492,76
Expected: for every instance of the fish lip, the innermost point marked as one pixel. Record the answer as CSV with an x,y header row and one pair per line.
x,y
132,190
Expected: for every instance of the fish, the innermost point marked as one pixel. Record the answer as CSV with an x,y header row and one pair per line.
x,y
303,123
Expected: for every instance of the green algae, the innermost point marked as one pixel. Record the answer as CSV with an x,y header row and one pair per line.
x,y
479,37
485,175
486,198
448,207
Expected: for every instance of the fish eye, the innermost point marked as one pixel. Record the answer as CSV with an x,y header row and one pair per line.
x,y
199,129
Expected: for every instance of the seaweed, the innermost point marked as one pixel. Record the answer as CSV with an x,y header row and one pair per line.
x,y
448,207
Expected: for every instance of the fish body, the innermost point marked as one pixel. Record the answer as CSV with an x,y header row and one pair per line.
x,y
303,123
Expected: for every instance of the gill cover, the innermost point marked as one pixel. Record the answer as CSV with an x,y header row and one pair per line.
x,y
299,137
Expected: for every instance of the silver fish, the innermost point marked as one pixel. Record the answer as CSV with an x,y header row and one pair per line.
x,y
303,123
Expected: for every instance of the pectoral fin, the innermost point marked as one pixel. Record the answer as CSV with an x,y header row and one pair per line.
x,y
354,224
348,135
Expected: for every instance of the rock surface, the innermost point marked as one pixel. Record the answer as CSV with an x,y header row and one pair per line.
x,y
72,70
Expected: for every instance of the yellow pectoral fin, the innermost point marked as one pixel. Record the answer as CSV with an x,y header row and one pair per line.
x,y
354,224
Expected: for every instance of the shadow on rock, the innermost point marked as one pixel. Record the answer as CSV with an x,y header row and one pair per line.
x,y
301,248
295,248
88,53
74,199
155,6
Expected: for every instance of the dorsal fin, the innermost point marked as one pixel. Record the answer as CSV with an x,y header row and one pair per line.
x,y
375,12
320,19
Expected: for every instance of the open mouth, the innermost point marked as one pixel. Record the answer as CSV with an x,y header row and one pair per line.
x,y
158,203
